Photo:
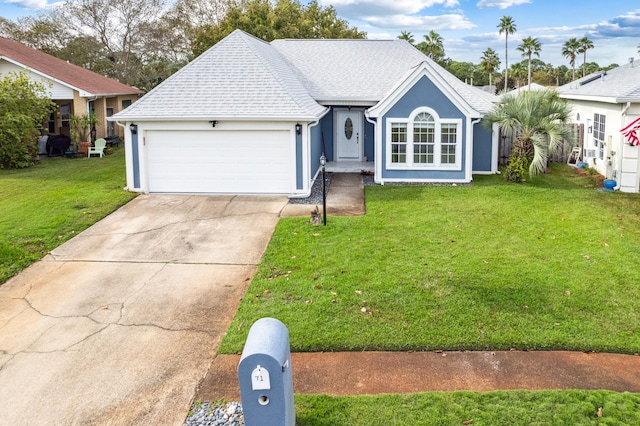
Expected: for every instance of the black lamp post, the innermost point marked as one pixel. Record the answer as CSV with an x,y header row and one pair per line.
x,y
323,161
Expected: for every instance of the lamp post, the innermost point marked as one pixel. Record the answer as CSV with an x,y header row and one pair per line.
x,y
323,161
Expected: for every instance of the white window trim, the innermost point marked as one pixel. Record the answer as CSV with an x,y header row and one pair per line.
x,y
410,165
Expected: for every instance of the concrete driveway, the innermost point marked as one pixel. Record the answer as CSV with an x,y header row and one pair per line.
x,y
120,324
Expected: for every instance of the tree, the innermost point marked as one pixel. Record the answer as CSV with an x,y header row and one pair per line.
x,y
489,62
506,26
432,46
538,122
406,35
518,71
24,106
269,21
585,44
529,46
570,50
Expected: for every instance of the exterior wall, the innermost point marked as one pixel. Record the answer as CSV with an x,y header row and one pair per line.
x,y
55,89
326,126
315,150
135,147
424,94
619,161
483,150
100,110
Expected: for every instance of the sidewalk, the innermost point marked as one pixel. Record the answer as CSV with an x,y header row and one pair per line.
x,y
371,373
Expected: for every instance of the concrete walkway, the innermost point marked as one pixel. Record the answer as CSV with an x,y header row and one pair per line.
x,y
120,324
371,373
345,198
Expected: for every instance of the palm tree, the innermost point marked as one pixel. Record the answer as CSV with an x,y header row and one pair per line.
x,y
537,119
530,46
518,71
506,26
432,46
489,62
406,35
570,50
585,44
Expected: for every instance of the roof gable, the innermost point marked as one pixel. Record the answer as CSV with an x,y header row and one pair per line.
x,y
239,77
87,82
618,85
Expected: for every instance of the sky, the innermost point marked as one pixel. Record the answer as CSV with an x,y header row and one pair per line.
x,y
469,27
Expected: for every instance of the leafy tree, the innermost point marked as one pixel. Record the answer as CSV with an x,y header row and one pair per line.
x,y
432,46
538,122
24,106
585,44
269,21
507,26
529,46
489,62
570,50
406,35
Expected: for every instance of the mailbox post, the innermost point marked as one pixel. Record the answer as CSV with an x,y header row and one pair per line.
x,y
265,377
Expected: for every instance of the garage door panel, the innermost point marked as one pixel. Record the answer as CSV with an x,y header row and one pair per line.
x,y
220,161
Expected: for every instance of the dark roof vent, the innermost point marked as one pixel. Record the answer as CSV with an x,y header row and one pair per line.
x,y
593,78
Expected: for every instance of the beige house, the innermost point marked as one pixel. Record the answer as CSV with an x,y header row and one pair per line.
x,y
74,89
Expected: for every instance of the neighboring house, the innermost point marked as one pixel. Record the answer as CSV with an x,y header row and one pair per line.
x,y
254,117
74,89
526,88
604,103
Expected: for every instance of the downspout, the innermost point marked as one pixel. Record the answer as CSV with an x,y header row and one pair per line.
x,y
619,154
377,155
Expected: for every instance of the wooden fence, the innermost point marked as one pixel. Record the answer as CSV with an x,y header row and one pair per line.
x,y
560,156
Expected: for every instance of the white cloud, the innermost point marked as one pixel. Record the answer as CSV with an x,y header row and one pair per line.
x,y
357,9
29,4
501,4
419,23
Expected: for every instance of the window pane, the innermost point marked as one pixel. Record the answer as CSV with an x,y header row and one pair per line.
x,y
398,143
448,138
424,135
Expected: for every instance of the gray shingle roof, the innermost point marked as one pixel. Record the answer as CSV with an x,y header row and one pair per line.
x,y
244,77
240,77
621,84
364,70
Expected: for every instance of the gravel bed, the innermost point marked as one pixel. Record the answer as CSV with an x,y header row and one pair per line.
x,y
316,192
211,414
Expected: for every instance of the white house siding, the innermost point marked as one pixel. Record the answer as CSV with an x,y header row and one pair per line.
x,y
55,90
620,160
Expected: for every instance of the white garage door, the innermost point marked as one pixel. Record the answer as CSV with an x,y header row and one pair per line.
x,y
220,161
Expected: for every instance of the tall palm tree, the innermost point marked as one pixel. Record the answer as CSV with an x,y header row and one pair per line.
x,y
506,26
570,50
432,46
537,119
489,62
585,44
406,35
530,46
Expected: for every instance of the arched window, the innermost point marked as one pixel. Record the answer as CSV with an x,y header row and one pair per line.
x,y
424,141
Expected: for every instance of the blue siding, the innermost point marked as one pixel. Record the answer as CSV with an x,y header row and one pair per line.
x,y
135,159
424,94
326,125
369,140
482,144
316,149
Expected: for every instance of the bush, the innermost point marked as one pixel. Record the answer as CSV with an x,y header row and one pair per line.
x,y
24,106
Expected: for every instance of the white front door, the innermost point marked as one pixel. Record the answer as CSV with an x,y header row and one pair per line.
x,y
349,138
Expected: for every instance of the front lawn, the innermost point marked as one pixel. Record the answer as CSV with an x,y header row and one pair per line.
x,y
548,264
43,206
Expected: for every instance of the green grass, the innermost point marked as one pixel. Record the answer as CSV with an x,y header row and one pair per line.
x,y
549,264
457,408
43,206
